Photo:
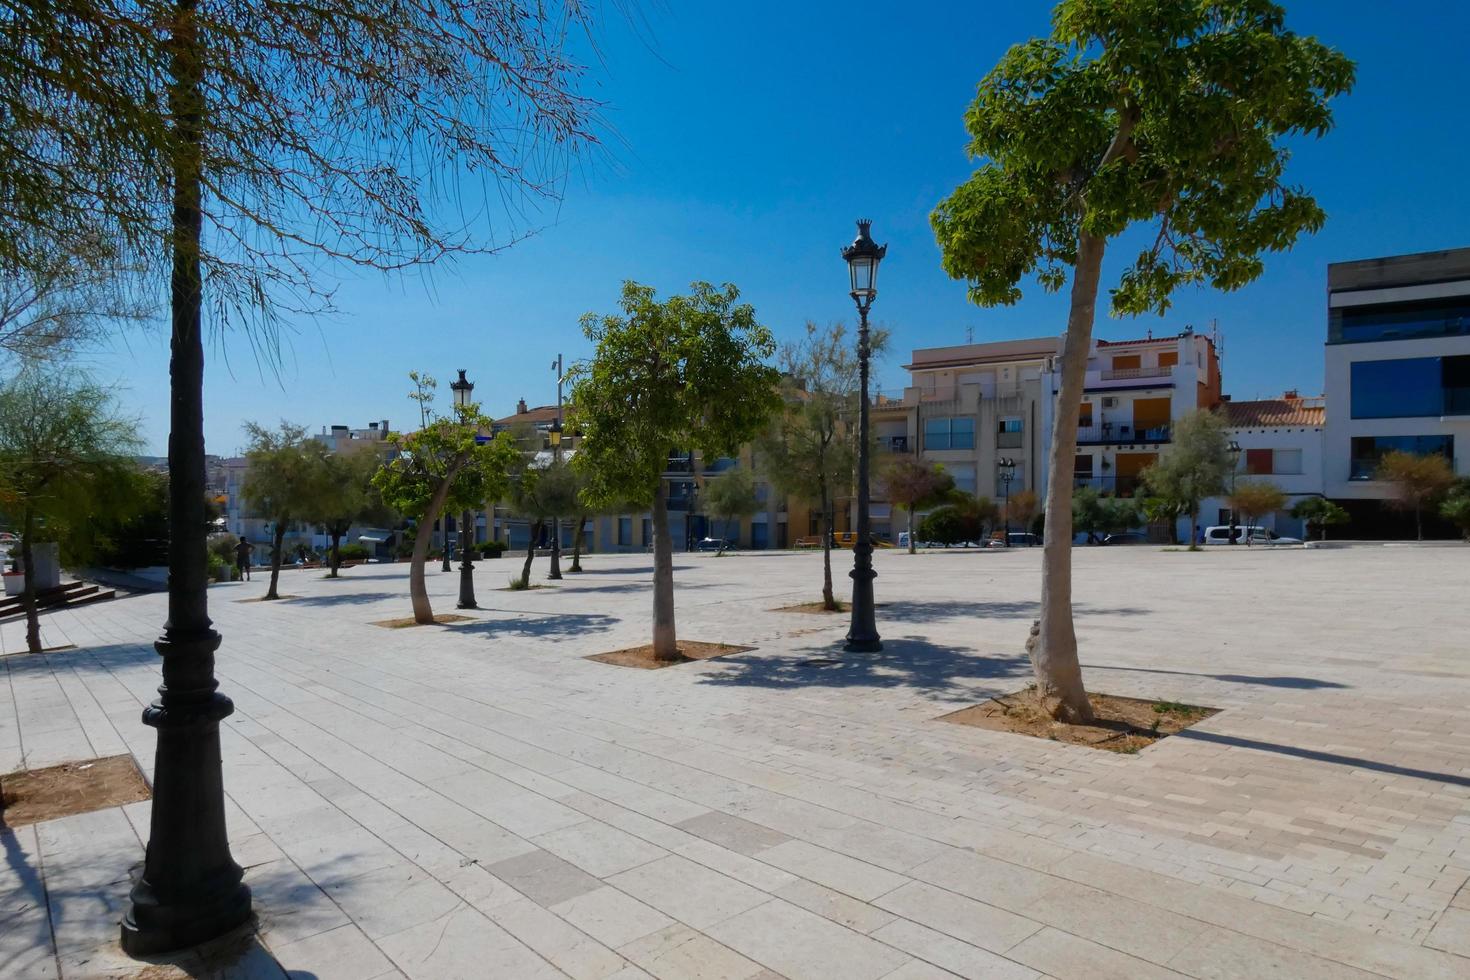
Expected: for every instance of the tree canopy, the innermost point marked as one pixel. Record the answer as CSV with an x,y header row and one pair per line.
x,y
1195,466
1417,482
730,496
914,484
1319,512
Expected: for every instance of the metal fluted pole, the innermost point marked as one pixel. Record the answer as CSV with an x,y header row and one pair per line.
x,y
862,635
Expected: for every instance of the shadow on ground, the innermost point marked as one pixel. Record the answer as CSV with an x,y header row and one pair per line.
x,y
946,672
1291,683
1353,762
561,625
345,599
932,610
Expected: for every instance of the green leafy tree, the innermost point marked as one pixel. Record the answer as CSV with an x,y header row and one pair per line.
x,y
914,484
1088,514
279,484
1120,514
810,451
541,491
947,526
64,452
1021,508
343,494
1194,467
1170,113
1418,482
1456,507
685,372
1255,498
443,467
1165,511
1319,512
729,497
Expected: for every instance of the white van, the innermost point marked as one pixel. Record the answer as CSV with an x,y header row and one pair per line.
x,y
1222,533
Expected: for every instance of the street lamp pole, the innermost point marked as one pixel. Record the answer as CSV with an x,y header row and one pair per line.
x,y
462,389
862,258
556,431
1007,472
1234,465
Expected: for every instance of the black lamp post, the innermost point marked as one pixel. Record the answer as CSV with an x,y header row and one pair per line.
x,y
1234,465
1007,472
555,434
862,258
462,389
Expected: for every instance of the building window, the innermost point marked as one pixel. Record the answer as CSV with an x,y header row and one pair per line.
x,y
964,477
1127,362
1018,479
1368,450
1084,416
949,433
1168,358
1258,462
1399,321
647,531
625,531
1008,433
1287,462
1407,388
1082,466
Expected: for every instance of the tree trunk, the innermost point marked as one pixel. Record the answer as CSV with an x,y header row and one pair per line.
x,y
1194,530
418,594
531,554
665,639
445,525
277,540
829,599
577,536
28,588
1054,658
554,573
336,560
1418,524
912,549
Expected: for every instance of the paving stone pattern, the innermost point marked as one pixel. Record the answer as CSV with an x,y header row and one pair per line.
x,y
479,800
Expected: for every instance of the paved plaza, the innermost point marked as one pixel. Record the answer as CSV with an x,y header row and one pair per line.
x,y
479,801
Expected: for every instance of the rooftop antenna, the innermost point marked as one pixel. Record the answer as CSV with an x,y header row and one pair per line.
x,y
969,335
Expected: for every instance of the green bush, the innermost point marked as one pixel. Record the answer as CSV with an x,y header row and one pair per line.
x,y
353,552
222,546
493,549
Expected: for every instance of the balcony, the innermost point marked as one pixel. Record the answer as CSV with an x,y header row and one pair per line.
x,y
1138,373
1121,434
1112,486
680,464
893,444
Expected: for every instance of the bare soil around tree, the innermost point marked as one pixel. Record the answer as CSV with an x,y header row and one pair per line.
x,y
33,795
689,650
1125,725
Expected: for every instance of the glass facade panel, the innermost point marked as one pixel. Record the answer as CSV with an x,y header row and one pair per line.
x,y
1455,379
962,433
1368,450
625,531
1405,388
949,433
1399,321
1009,433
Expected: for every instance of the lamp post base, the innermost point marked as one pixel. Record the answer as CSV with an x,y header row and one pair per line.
x,y
862,635
466,587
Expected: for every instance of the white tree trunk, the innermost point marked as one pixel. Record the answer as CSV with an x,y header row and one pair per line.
x,y
1054,658
423,613
665,640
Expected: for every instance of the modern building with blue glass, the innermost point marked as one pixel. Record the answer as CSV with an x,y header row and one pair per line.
x,y
1398,366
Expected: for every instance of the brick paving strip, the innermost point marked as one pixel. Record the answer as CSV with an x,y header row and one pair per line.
x,y
479,800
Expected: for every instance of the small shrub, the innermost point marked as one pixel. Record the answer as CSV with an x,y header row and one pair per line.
x,y
517,585
222,546
493,549
351,552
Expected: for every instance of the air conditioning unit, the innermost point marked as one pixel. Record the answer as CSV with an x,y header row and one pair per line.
x,y
1110,403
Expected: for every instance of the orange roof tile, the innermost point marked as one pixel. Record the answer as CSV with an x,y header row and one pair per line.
x,y
1275,413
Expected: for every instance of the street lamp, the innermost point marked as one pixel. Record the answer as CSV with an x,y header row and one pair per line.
x,y
1234,465
555,434
1007,472
462,389
862,258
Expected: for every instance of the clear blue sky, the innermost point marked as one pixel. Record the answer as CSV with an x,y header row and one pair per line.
x,y
744,142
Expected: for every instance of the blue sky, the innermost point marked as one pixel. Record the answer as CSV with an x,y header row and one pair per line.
x,y
744,142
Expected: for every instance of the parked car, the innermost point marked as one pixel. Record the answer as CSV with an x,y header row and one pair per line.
x,y
714,544
1223,533
1018,539
1126,537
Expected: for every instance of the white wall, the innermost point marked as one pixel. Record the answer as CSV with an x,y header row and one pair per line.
x,y
1309,482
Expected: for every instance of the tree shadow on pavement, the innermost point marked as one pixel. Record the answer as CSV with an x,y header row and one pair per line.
x,y
345,599
946,672
1453,779
558,626
931,610
1292,683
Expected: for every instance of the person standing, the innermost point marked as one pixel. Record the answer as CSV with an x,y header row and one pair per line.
x,y
242,557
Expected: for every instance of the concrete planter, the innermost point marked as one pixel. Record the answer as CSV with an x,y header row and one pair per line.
x,y
47,557
15,583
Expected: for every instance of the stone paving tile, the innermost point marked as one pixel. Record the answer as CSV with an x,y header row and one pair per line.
x,y
344,953
1321,820
799,945
681,953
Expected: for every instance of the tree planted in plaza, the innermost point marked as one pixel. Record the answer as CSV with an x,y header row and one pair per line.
x,y
1456,507
280,484
1417,482
1021,508
914,484
444,467
1195,466
343,494
65,455
1319,513
810,451
1174,114
685,373
1253,499
729,497
1097,515
542,490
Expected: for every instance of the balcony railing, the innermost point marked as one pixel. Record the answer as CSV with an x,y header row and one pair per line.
x,y
894,444
1009,440
1126,434
1133,374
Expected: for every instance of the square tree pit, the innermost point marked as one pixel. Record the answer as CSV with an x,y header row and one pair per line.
x,y
1122,725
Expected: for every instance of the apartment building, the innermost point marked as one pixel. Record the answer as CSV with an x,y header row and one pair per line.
x,y
1281,441
1397,372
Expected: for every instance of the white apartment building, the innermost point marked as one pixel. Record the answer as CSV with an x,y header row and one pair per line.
x,y
1397,371
1281,441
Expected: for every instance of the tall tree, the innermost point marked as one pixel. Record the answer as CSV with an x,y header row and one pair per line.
x,y
1319,512
811,450
342,494
1089,514
729,497
64,452
1173,113
279,484
1253,499
444,466
1021,508
685,372
1417,481
914,484
541,490
1194,467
